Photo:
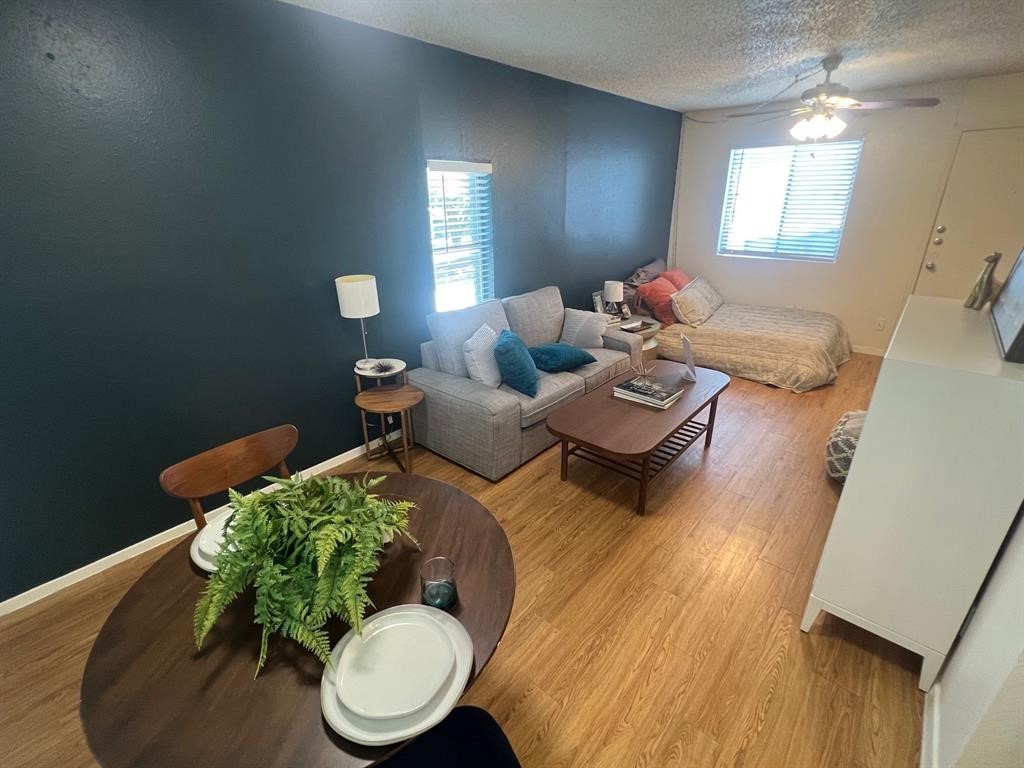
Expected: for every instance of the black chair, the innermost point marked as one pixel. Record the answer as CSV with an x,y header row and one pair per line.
x,y
468,738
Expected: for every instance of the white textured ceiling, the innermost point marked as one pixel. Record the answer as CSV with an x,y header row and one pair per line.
x,y
696,54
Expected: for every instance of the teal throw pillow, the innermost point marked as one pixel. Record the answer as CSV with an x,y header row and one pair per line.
x,y
560,356
516,366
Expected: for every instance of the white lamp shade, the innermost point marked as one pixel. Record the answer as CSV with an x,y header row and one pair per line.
x,y
613,290
357,295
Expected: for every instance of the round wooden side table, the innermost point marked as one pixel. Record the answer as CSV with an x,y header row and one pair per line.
x,y
384,400
648,332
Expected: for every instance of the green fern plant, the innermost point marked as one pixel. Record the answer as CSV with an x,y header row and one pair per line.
x,y
310,548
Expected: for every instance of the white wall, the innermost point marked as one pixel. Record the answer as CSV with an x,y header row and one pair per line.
x,y
974,714
906,158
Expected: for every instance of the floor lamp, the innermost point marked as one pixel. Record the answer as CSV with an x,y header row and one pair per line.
x,y
357,298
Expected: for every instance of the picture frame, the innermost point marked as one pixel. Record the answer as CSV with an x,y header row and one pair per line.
x,y
603,307
1007,314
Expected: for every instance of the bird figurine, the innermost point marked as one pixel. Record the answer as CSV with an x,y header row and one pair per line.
x,y
986,286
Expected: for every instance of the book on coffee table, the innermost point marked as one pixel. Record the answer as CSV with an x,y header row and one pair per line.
x,y
659,391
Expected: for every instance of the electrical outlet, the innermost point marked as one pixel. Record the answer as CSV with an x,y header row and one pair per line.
x,y
879,323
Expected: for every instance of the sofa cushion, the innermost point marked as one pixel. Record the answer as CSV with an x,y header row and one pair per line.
x,y
553,390
558,357
608,363
677,277
517,368
583,329
696,303
535,316
449,330
655,292
479,353
641,275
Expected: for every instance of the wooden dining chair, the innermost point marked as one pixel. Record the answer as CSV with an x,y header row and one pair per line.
x,y
228,465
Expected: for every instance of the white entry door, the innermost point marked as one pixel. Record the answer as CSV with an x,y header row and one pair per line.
x,y
982,210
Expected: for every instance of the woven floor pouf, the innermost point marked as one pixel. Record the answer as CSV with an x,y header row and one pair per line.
x,y
841,443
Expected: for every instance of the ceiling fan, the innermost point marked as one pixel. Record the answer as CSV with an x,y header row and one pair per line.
x,y
820,104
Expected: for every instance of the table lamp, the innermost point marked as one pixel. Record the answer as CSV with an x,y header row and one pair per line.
x,y
613,295
357,297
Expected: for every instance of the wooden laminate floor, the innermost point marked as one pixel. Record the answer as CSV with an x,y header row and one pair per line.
x,y
667,640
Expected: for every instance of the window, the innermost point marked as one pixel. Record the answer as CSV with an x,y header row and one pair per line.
x,y
460,233
788,202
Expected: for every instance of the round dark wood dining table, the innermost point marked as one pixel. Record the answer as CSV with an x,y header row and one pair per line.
x,y
149,698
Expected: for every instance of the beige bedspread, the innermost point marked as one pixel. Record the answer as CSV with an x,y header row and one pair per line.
x,y
794,349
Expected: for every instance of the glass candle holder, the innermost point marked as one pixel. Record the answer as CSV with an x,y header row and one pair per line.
x,y
437,583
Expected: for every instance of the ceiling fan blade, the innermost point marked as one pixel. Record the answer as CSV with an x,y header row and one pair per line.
x,y
764,112
894,103
769,118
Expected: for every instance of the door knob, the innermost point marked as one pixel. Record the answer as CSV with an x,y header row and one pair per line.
x,y
940,229
937,241
930,266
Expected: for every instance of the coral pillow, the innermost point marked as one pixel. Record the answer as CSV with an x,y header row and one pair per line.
x,y
664,313
655,292
677,277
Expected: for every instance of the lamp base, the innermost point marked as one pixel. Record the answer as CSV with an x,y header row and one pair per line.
x,y
366,364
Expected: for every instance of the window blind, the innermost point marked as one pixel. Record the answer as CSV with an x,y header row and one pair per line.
x,y
460,233
788,202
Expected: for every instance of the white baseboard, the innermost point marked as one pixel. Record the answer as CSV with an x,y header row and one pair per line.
x,y
12,604
876,351
930,727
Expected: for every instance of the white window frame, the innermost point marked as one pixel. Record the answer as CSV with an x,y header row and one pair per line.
x,y
805,208
476,257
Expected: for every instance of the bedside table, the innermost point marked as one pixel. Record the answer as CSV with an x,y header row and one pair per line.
x,y
383,400
647,331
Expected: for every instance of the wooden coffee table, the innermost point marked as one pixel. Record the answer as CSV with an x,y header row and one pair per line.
x,y
633,439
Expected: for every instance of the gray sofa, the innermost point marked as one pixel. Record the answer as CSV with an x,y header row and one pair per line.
x,y
493,431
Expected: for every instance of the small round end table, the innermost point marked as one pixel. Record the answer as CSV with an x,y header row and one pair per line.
x,y
648,332
387,399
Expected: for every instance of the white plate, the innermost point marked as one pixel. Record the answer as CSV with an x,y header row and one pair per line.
x,y
200,547
396,667
375,733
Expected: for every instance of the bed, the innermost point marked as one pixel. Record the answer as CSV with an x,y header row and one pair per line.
x,y
790,348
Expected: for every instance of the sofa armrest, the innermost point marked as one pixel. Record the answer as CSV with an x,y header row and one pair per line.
x,y
465,394
623,341
468,422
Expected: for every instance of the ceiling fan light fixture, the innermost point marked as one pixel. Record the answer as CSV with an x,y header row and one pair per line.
x,y
817,126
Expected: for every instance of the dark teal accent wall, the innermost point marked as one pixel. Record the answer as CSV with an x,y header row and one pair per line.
x,y
181,181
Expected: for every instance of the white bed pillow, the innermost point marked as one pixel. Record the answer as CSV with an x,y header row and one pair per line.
x,y
696,302
478,352
584,329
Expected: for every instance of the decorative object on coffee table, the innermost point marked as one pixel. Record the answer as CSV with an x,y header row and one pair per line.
x,y
357,298
985,287
384,401
632,440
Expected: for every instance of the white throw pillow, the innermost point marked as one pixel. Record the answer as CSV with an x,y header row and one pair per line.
x,y
696,302
584,329
478,352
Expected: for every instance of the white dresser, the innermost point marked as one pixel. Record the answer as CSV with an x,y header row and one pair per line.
x,y
936,480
